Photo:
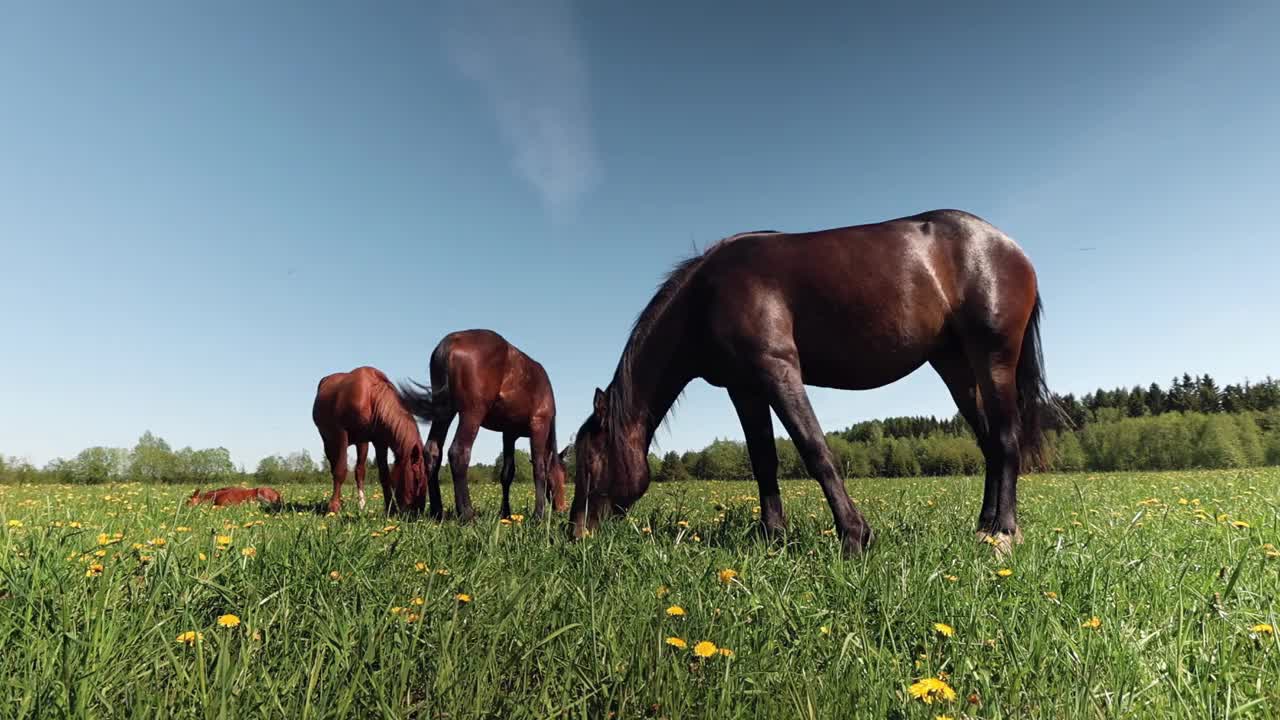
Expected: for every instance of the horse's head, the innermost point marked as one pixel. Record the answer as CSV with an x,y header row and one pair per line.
x,y
409,478
194,498
268,495
611,472
556,476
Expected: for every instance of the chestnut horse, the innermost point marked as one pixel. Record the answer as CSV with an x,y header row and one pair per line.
x,y
362,407
488,382
234,496
763,314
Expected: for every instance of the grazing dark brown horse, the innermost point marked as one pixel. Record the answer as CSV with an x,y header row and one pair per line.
x,y
234,496
763,314
488,382
362,407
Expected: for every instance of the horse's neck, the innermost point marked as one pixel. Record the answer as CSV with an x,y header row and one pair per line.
x,y
660,371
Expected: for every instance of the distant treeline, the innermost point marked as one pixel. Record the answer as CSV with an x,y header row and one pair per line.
x,y
1191,424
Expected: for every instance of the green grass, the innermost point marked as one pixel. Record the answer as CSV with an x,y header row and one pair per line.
x,y
578,630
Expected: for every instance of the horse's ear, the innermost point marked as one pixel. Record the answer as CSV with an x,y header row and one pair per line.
x,y
600,405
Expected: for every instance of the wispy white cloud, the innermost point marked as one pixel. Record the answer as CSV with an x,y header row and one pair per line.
x,y
527,59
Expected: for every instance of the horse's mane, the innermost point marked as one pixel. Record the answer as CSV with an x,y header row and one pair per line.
x,y
621,401
392,414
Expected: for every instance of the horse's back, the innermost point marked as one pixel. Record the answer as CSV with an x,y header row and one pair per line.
x,y
346,398
889,292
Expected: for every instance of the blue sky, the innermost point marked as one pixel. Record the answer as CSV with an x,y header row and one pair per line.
x,y
203,211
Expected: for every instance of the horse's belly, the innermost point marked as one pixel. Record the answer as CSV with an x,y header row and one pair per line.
x,y
864,356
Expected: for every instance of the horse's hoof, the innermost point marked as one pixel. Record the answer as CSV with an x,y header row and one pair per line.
x,y
857,542
1001,542
772,532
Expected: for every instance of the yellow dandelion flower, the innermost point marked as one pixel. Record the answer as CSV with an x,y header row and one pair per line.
x,y
942,717
726,652
157,542
100,553
950,578
504,521
825,629
202,557
683,523
248,552
1263,629
420,566
190,637
138,546
705,649
662,591
376,534
182,529
727,575
929,689
517,517
675,611
1051,594
390,528
334,575
1183,501
228,621
93,570
677,642
223,540
944,629
1092,623
74,524
442,571
462,598
1004,572
397,610
412,617
417,601
1240,524
15,523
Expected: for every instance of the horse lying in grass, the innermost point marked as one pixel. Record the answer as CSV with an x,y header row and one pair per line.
x,y
234,496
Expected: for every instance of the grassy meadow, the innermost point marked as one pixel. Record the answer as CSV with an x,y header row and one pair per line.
x,y
1134,595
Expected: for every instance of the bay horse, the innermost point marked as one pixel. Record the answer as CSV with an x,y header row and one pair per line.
x,y
762,314
234,496
485,381
362,407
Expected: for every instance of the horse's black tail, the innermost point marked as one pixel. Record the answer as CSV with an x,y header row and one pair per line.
x,y
1034,399
423,402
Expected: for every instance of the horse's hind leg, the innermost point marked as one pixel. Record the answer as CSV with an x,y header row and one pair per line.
x,y
540,450
996,371
434,453
335,449
459,459
362,457
952,365
783,385
508,471
757,426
